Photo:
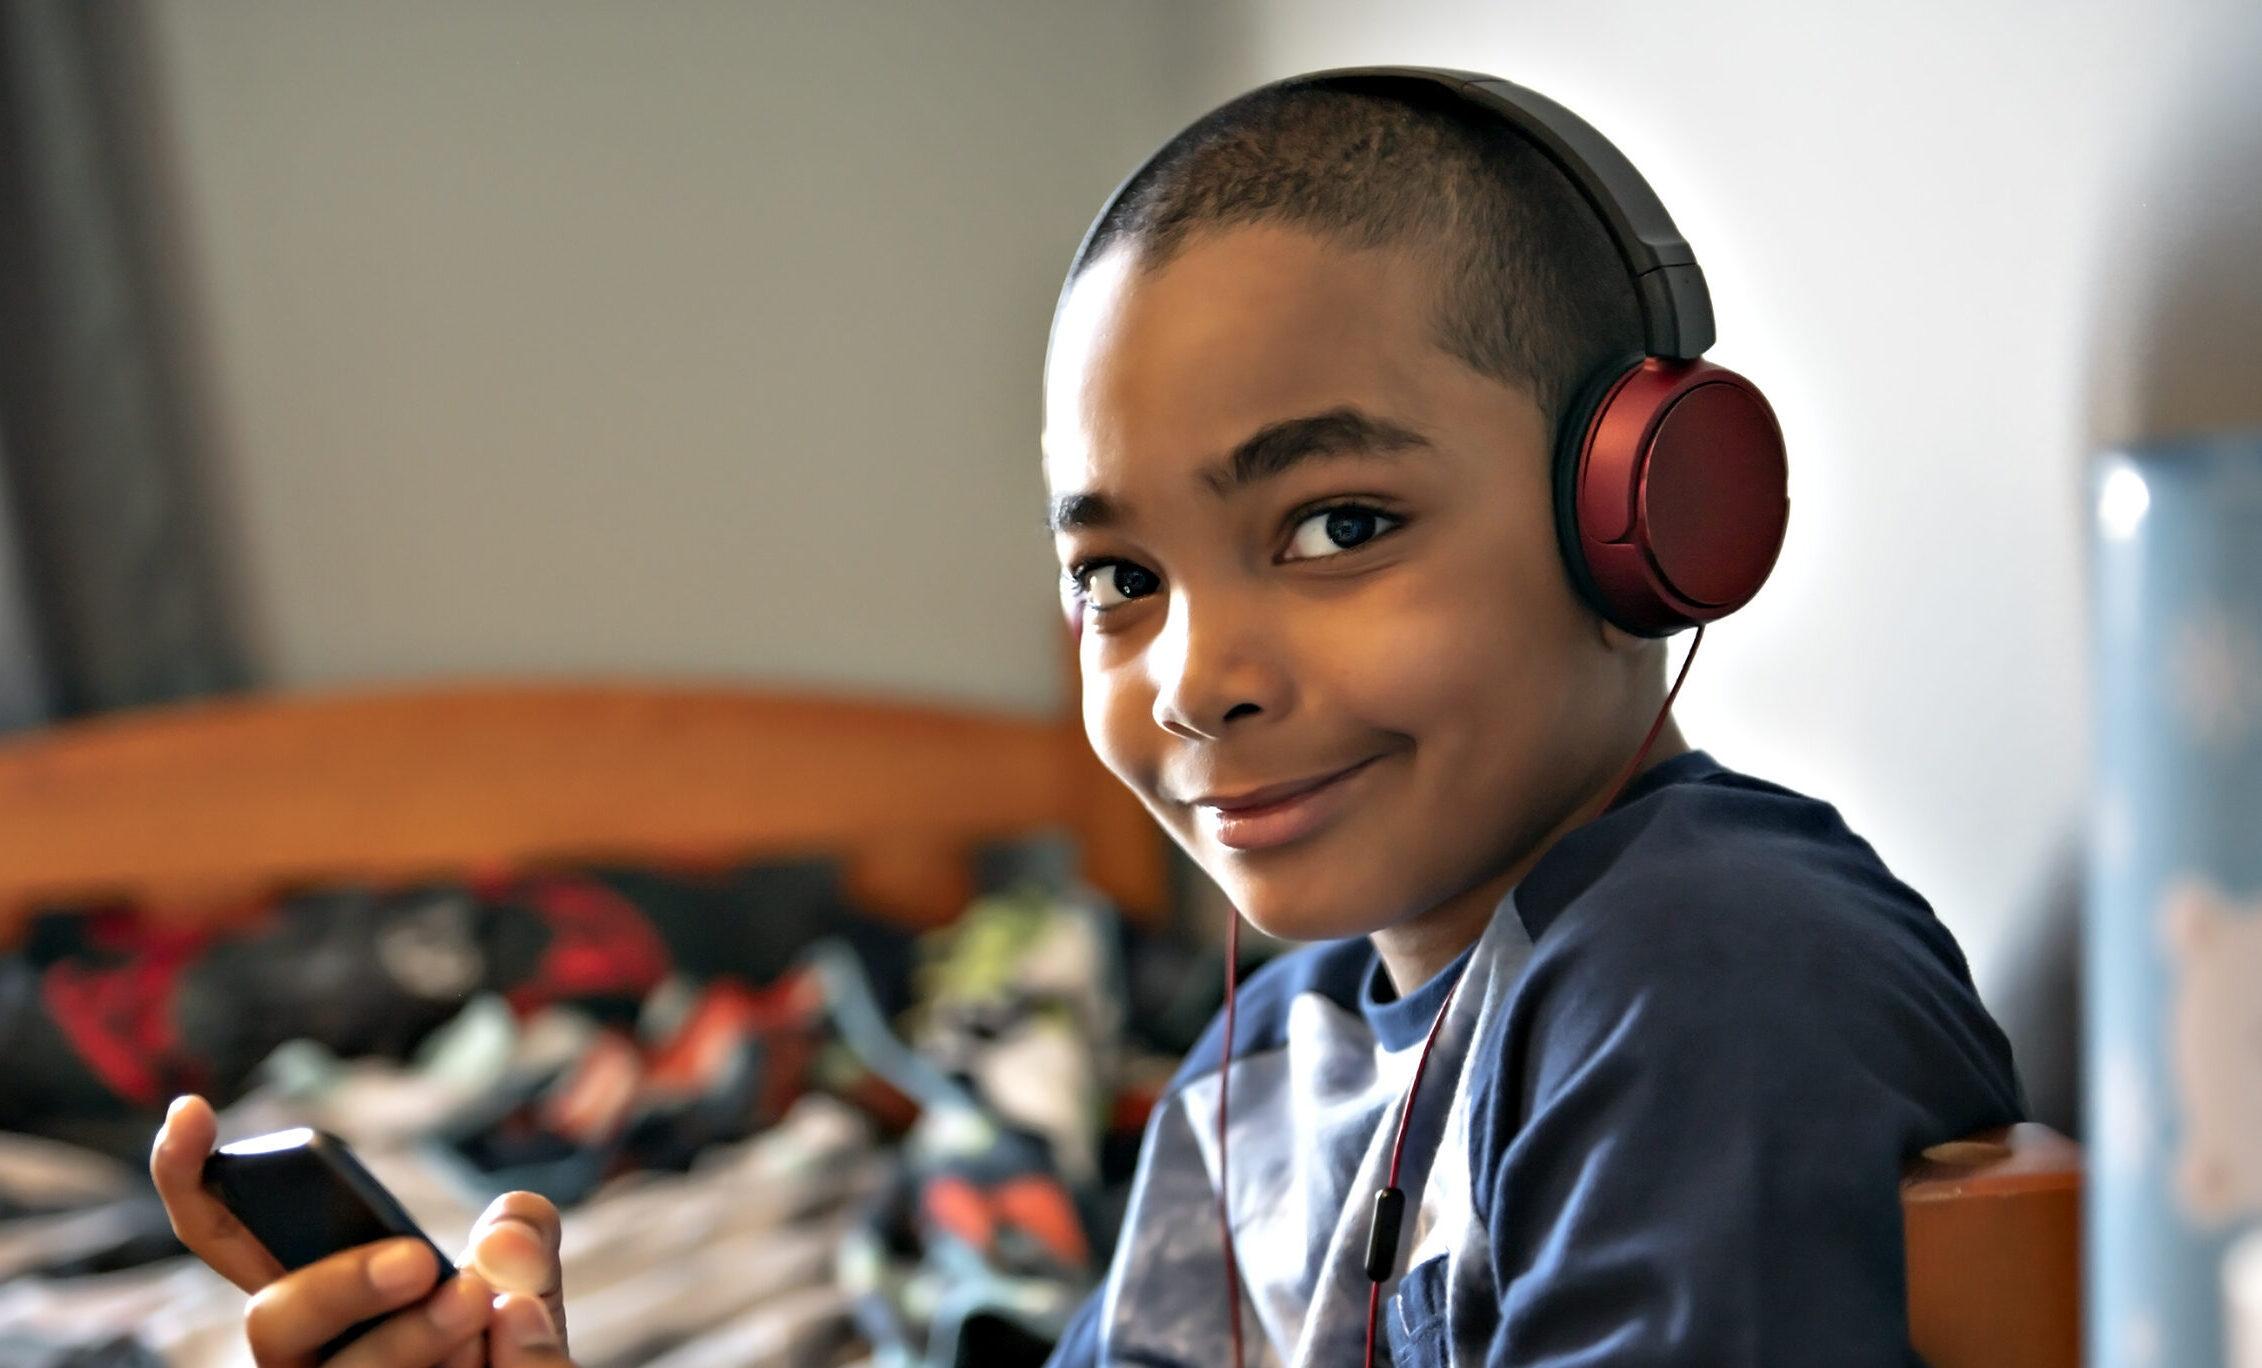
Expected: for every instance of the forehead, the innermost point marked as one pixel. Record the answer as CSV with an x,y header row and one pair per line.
x,y
1239,329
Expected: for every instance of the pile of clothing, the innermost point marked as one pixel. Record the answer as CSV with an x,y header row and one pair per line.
x,y
781,1132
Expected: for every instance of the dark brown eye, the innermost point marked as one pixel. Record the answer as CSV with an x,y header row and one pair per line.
x,y
1332,531
1136,581
1109,583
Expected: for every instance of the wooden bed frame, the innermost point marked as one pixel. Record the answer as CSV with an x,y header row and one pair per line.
x,y
196,812
193,812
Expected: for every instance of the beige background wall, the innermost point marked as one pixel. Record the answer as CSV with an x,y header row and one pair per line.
x,y
581,337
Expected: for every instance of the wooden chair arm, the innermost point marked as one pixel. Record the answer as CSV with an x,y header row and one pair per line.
x,y
1993,1226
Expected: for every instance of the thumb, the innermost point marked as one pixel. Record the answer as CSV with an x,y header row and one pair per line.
x,y
523,1336
514,1246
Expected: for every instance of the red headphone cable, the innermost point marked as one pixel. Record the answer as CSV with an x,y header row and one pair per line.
x,y
1224,1070
1390,1203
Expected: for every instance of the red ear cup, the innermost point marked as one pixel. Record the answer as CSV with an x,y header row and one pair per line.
x,y
1678,496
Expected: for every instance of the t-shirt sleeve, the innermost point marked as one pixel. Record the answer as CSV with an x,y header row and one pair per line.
x,y
1079,1345
1163,1302
1692,1147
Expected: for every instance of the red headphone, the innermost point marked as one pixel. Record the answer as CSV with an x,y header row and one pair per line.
x,y
1670,498
1670,482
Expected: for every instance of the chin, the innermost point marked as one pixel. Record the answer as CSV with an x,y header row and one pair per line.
x,y
1305,905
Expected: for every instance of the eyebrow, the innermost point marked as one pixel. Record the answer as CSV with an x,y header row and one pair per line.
x,y
1270,451
1079,510
1277,448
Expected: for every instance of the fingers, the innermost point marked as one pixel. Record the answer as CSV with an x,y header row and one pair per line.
x,y
292,1317
514,1245
446,1326
470,1354
523,1336
176,1164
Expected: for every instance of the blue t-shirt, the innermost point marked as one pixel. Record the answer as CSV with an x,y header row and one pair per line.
x,y
1664,1123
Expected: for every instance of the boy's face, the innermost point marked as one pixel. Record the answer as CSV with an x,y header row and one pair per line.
x,y
1326,635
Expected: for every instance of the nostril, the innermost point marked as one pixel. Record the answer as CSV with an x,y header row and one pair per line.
x,y
1241,710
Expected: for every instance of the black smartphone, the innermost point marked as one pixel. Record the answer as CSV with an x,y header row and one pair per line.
x,y
305,1196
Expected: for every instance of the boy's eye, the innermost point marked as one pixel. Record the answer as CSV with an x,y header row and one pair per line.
x,y
1104,584
1332,531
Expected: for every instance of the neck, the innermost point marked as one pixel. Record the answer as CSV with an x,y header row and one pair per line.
x,y
1415,950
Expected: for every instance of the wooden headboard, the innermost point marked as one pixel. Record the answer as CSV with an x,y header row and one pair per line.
x,y
192,811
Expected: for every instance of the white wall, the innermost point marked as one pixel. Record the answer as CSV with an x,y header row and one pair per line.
x,y
1904,211
569,336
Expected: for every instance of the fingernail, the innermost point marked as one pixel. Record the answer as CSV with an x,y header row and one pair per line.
x,y
173,1109
399,1267
510,1265
460,1303
165,1128
526,1320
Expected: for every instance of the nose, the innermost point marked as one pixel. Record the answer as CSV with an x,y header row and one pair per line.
x,y
1216,667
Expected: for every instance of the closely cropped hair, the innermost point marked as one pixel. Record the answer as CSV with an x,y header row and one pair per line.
x,y
1531,290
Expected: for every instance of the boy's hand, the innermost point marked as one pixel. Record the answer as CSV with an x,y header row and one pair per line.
x,y
291,1316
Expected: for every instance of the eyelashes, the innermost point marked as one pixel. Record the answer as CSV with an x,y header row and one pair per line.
x,y
1321,533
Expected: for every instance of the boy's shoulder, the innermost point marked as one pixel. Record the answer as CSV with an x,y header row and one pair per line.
x,y
1719,926
1701,861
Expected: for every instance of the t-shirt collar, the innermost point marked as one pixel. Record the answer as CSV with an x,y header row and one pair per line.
x,y
1401,1023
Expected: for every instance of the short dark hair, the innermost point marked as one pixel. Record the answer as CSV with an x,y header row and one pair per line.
x,y
1531,289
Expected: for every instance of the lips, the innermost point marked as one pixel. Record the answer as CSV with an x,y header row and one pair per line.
x,y
1278,814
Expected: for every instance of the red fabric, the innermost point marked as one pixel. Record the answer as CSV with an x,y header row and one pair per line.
x,y
786,1019
1033,1203
118,1018
600,945
1039,1205
956,1206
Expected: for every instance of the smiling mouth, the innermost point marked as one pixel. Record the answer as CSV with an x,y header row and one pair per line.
x,y
1277,814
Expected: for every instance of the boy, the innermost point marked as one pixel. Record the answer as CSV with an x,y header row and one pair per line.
x,y
1299,416
1299,421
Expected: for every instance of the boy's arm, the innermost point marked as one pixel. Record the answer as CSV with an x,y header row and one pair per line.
x,y
1168,1262
1702,1118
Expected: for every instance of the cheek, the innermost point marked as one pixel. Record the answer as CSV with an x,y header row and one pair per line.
x,y
1119,719
1481,677
1443,657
